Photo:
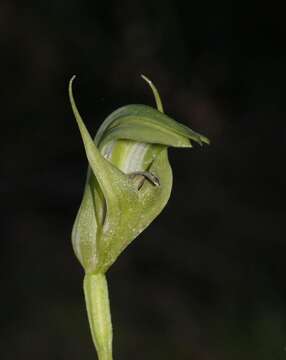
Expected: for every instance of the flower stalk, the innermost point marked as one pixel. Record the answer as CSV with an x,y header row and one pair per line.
x,y
98,311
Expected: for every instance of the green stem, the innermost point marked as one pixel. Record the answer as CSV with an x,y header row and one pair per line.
x,y
98,310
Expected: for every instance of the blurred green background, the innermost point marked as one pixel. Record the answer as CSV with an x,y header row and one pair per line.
x,y
206,280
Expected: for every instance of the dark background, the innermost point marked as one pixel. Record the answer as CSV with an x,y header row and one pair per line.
x,y
206,280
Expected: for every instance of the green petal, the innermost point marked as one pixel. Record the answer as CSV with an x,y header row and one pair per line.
x,y
152,120
139,130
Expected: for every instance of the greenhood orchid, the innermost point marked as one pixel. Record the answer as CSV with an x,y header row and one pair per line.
x,y
129,181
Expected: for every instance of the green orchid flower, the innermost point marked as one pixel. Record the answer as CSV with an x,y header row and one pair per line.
x,y
129,181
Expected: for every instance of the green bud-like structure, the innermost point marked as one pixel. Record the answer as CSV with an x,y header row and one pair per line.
x,y
129,182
